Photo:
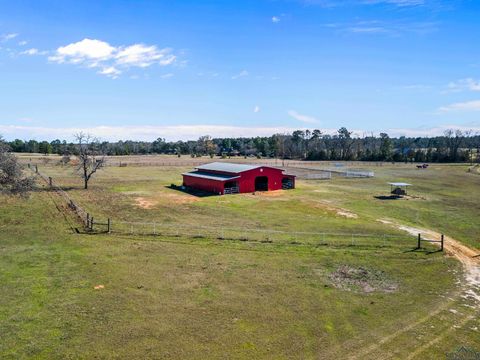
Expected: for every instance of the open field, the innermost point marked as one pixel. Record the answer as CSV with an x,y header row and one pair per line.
x,y
344,205
185,297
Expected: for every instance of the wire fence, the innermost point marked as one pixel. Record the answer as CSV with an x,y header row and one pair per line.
x,y
256,235
181,162
358,174
73,205
307,173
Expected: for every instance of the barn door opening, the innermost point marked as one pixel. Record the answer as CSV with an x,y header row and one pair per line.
x,y
261,183
231,187
287,183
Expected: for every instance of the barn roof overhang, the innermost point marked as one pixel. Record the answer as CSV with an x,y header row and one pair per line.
x,y
399,184
234,168
211,176
227,167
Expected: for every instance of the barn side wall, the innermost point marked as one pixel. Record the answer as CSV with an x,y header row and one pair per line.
x,y
209,185
247,179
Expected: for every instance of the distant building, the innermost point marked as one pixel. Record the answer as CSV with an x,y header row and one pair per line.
x,y
228,178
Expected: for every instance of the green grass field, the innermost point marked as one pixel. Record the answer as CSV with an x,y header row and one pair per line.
x,y
185,297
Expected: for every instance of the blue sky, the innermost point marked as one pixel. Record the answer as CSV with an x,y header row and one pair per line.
x,y
181,69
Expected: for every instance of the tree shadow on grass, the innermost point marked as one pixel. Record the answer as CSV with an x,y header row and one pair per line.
x,y
423,251
40,189
387,197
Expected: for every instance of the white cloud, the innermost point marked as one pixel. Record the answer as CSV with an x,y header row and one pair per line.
x,y
167,76
110,71
147,133
400,3
464,84
33,51
462,106
303,118
275,19
110,59
371,29
430,131
256,109
192,132
22,43
391,28
396,3
143,56
83,51
241,74
6,37
420,87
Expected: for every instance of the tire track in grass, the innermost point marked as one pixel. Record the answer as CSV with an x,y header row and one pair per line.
x,y
419,350
360,354
470,290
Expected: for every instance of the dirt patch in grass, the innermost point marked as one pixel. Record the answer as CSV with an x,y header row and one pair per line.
x,y
181,199
274,193
326,204
362,280
144,203
347,214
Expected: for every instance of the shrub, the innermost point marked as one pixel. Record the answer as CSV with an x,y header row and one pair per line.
x,y
12,179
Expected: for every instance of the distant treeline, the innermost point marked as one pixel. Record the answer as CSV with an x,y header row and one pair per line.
x,y
453,146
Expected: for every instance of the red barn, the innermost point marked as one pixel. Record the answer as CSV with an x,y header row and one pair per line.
x,y
227,178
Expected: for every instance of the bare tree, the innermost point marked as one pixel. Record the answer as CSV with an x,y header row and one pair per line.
x,y
90,156
454,139
12,178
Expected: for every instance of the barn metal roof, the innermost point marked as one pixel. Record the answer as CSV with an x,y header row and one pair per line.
x,y
399,184
210,176
227,167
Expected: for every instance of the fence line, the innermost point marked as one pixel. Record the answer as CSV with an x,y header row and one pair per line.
x,y
358,173
266,162
77,209
260,235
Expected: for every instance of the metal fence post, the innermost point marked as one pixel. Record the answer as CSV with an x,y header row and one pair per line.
x,y
91,223
419,239
50,181
109,225
36,169
441,244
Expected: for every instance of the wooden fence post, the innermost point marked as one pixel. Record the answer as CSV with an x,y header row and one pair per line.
x,y
441,244
91,223
36,168
419,239
109,225
50,181
88,220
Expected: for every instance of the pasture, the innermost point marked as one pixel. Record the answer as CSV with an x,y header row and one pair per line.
x,y
196,297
